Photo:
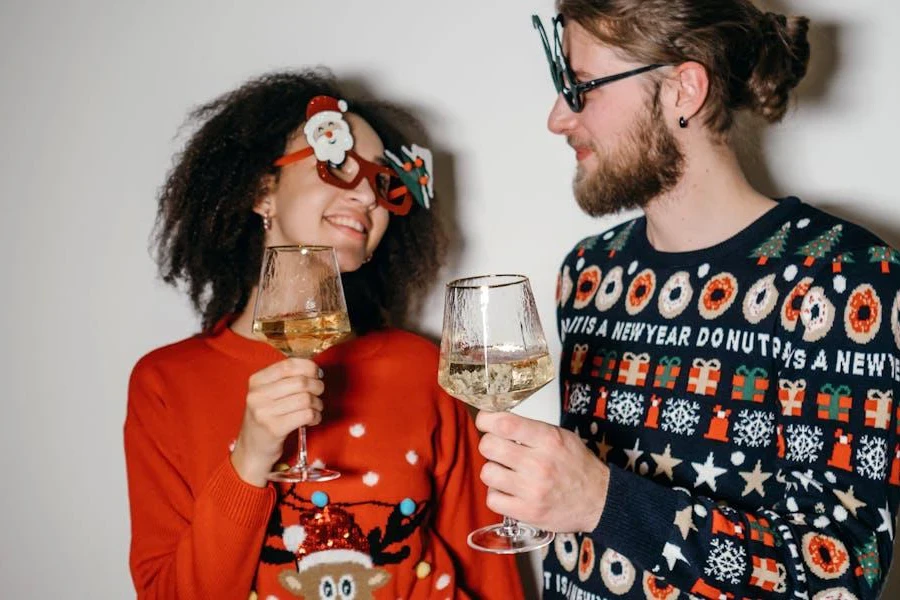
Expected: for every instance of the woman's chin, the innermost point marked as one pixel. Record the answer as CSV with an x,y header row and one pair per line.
x,y
348,264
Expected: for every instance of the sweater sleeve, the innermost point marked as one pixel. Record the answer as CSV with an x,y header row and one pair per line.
x,y
831,487
185,545
461,506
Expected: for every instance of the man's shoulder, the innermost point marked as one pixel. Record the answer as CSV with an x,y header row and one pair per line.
x,y
819,227
605,244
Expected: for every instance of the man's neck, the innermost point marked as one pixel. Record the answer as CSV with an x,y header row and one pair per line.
x,y
711,203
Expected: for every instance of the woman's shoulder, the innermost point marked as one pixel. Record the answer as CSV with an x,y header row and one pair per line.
x,y
171,356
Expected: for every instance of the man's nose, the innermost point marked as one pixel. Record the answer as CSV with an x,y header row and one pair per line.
x,y
561,119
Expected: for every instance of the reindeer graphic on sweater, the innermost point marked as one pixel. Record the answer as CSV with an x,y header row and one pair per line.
x,y
330,556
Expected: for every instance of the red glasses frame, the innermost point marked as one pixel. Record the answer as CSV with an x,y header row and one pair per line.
x,y
390,192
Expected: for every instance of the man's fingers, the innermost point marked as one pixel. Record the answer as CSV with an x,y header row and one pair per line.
x,y
527,432
498,477
501,450
502,504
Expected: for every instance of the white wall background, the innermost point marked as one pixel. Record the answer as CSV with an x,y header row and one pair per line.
x,y
93,93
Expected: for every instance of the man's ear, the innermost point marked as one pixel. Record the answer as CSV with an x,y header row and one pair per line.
x,y
690,88
265,201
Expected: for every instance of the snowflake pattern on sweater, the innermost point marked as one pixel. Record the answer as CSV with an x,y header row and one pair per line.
x,y
744,398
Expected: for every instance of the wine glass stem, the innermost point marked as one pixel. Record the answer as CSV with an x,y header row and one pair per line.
x,y
510,527
301,451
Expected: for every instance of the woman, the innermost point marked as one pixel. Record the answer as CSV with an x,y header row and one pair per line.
x,y
285,160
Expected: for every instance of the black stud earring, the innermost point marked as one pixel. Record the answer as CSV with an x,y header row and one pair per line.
x,y
682,122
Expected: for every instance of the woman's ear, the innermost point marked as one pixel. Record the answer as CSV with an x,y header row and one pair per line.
x,y
265,202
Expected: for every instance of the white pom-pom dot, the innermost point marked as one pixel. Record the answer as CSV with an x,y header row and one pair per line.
x,y
293,537
790,272
840,513
442,582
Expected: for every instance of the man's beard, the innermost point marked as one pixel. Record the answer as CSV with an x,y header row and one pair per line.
x,y
647,163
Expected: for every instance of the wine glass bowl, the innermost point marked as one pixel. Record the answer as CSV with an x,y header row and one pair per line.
x,y
300,310
493,356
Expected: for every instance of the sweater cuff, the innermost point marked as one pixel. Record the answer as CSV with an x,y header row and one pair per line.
x,y
244,504
637,518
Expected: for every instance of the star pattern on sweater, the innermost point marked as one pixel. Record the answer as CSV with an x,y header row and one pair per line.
x,y
673,554
684,520
755,480
887,521
603,448
633,455
850,501
707,472
665,462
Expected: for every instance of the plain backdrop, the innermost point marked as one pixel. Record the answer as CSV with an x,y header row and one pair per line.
x,y
93,97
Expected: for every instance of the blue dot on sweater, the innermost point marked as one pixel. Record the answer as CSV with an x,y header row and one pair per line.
x,y
408,507
320,499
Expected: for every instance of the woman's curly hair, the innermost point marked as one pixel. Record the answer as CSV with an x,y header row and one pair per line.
x,y
208,238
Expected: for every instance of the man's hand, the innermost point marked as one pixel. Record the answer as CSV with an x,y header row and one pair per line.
x,y
548,479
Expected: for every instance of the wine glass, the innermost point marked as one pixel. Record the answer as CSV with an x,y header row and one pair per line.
x,y
494,356
301,311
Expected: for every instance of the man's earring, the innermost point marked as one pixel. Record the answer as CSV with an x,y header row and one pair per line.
x,y
682,122
267,222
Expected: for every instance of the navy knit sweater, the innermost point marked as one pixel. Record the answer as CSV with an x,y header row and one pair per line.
x,y
744,399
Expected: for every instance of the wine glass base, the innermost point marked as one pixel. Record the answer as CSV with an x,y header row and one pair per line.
x,y
307,475
494,538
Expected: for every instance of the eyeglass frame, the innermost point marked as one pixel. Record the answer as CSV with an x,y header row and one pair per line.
x,y
367,170
560,68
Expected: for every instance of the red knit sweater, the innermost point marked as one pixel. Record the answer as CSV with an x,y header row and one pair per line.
x,y
393,526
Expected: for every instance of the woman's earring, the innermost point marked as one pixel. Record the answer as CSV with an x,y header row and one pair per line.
x,y
682,122
267,222
368,258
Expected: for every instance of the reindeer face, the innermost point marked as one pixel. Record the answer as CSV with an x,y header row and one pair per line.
x,y
335,581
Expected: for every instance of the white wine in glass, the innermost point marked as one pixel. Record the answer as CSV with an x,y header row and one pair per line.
x,y
494,378
301,311
493,356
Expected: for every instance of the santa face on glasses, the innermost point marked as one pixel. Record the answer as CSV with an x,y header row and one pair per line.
x,y
326,131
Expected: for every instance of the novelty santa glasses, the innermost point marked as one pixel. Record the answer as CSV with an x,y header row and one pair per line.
x,y
331,142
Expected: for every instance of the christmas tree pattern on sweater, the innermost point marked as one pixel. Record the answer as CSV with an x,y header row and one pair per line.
x,y
744,398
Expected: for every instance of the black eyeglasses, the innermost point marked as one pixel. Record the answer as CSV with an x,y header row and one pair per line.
x,y
563,77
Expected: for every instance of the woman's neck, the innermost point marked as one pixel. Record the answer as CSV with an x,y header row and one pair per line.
x,y
243,324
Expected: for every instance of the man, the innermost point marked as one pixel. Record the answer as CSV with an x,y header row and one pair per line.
x,y
729,362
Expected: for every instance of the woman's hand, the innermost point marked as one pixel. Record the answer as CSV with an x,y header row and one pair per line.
x,y
280,399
